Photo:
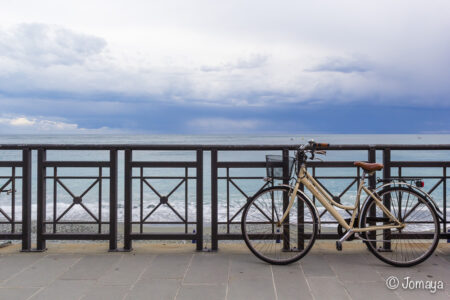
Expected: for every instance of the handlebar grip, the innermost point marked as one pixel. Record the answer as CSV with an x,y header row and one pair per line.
x,y
323,145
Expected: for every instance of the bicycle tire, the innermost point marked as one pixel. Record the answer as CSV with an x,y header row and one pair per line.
x,y
401,252
279,248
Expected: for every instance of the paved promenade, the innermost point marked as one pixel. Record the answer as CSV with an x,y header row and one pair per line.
x,y
87,271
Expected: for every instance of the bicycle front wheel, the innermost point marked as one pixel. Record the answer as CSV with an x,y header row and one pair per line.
x,y
407,246
275,242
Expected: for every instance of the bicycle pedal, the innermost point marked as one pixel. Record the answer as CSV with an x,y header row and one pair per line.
x,y
338,246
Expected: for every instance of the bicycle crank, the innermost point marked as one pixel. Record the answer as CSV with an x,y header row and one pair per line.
x,y
346,237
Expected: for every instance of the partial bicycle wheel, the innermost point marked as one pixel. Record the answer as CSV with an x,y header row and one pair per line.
x,y
407,246
271,241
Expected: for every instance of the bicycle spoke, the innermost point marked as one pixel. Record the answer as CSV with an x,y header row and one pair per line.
x,y
413,243
273,243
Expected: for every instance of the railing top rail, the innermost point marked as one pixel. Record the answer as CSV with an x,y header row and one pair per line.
x,y
218,147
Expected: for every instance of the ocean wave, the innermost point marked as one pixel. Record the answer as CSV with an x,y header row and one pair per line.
x,y
163,213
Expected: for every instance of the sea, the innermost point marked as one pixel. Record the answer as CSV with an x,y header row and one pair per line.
x,y
163,186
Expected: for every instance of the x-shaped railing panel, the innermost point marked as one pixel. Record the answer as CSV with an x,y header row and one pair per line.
x,y
230,179
163,199
76,200
2,189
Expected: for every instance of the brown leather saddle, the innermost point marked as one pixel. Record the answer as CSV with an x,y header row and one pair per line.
x,y
369,167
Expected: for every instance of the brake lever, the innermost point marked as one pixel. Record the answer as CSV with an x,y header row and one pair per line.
x,y
8,192
321,152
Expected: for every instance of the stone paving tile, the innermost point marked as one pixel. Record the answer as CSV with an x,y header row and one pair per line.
x,y
421,294
435,268
64,289
316,265
248,266
14,263
290,282
327,288
111,292
211,276
249,278
127,270
370,259
169,266
364,291
17,293
43,271
156,288
248,289
353,268
210,292
209,268
386,271
91,266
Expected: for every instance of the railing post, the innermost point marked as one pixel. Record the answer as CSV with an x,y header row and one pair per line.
x,y
301,216
199,193
128,200
113,200
372,185
372,159
444,200
214,196
41,199
386,198
26,200
286,234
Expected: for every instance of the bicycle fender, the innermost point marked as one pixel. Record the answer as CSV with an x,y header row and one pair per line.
x,y
421,192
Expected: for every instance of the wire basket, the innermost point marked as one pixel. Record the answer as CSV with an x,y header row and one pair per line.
x,y
274,166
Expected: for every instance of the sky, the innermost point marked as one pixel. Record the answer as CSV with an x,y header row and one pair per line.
x,y
224,67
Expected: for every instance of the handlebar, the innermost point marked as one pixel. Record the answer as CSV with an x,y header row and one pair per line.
x,y
312,146
322,145
8,192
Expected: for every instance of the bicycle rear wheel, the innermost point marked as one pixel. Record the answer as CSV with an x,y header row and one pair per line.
x,y
410,245
284,243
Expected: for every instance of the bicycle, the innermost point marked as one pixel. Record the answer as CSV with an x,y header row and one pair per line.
x,y
398,221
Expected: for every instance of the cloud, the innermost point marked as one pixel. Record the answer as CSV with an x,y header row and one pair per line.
x,y
18,122
342,65
251,62
224,125
53,62
31,125
45,45
213,58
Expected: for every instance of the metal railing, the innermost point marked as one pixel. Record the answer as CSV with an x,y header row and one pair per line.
x,y
164,199
222,174
77,199
24,233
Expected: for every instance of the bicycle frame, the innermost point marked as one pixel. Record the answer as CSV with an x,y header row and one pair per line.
x,y
327,201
